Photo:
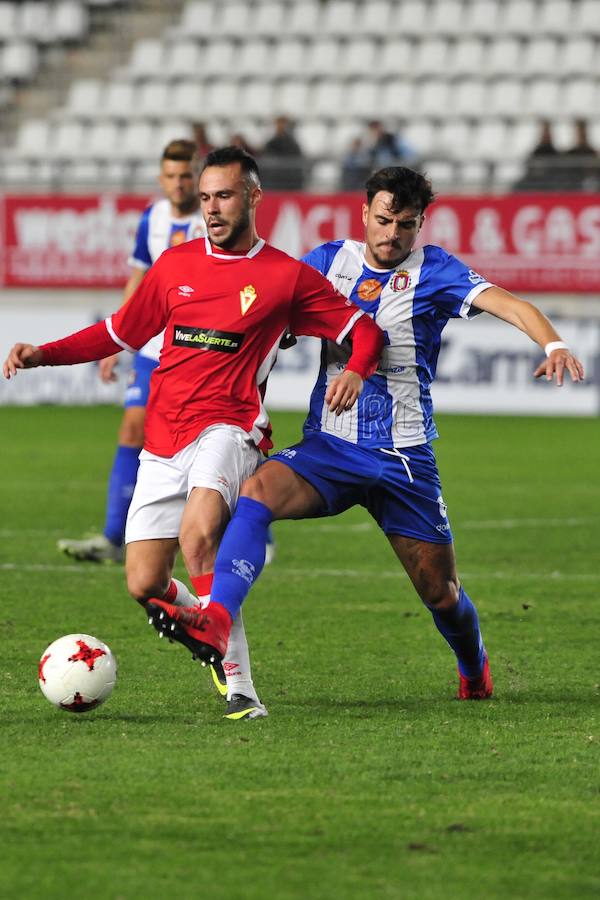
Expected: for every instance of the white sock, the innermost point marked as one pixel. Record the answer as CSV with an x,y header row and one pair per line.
x,y
236,662
184,596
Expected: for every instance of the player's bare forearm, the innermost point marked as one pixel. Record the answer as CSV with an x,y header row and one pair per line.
x,y
344,391
531,320
21,356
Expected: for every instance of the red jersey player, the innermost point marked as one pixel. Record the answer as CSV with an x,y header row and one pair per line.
x,y
225,302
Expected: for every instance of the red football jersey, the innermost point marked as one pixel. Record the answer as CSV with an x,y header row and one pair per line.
x,y
224,316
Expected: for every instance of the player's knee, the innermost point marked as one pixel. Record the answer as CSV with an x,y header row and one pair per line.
x,y
254,488
144,585
441,596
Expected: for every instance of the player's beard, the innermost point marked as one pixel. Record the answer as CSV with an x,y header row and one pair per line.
x,y
388,263
238,226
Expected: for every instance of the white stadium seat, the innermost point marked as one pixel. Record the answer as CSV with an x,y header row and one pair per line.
x,y
19,61
9,26
586,19
103,140
68,141
222,100
581,97
119,100
469,97
139,141
32,134
328,99
579,56
358,57
197,20
146,58
313,137
216,56
488,139
153,100
233,20
446,18
339,18
398,98
322,58
292,98
362,99
84,99
467,57
505,97
521,138
304,19
430,57
410,18
374,18
395,57
539,56
504,57
253,58
257,99
433,98
35,21
518,17
69,21
542,97
481,18
287,58
422,134
187,100
268,20
555,17
453,137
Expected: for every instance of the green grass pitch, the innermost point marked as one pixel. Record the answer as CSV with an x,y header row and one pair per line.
x,y
368,780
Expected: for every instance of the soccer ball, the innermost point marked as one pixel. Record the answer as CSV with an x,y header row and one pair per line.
x,y
77,672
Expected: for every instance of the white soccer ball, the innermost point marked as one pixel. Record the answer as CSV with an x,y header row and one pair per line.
x,y
77,672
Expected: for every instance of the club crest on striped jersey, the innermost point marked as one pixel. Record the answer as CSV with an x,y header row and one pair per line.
x,y
400,281
247,298
370,289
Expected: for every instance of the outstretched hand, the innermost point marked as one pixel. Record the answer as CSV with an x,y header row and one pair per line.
x,y
106,368
556,363
22,356
343,392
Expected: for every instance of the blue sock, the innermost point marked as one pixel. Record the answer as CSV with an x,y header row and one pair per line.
x,y
460,627
120,490
241,556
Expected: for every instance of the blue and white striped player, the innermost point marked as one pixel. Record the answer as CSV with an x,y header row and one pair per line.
x,y
378,454
169,221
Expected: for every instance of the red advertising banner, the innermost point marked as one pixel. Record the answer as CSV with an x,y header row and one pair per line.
x,y
525,242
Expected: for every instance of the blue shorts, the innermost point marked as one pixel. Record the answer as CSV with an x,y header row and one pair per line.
x,y
401,489
139,381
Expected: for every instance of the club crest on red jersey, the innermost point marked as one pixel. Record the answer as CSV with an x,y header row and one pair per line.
x,y
247,297
400,281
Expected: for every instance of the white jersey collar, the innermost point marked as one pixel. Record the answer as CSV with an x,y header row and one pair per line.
x,y
213,251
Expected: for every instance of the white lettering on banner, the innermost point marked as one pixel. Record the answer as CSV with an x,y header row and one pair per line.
x,y
444,228
559,230
99,229
487,234
297,232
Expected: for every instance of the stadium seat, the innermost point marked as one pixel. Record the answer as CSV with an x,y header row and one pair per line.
x,y
68,141
183,60
433,98
197,20
34,21
256,99
580,97
291,98
539,56
374,18
422,134
232,20
268,20
517,17
215,56
398,98
504,57
467,57
84,99
327,99
410,18
430,57
358,57
521,138
304,19
505,97
453,138
481,18
339,18
322,58
9,26
579,56
170,130
446,18
362,99
313,137
555,17
221,100
19,61
69,21
119,100
32,134
542,97
394,57
342,134
487,140
469,97
139,140
146,58
287,58
103,141
187,100
585,18
253,58
152,100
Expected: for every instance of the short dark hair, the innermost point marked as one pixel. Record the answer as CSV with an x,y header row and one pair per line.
x,y
410,189
225,156
180,151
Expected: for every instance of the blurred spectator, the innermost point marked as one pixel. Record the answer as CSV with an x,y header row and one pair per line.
x,y
282,162
356,166
387,149
542,172
581,162
238,140
201,139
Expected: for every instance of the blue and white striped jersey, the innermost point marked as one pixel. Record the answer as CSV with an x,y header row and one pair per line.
x,y
411,304
156,232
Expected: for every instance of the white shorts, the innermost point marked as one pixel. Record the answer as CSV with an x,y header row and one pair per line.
x,y
221,458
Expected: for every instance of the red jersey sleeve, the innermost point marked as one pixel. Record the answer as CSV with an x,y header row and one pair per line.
x,y
145,313
318,310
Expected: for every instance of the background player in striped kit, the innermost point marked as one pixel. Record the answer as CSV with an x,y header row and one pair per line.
x,y
379,453
165,223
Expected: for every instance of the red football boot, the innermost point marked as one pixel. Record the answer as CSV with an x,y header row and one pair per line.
x,y
476,688
204,631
